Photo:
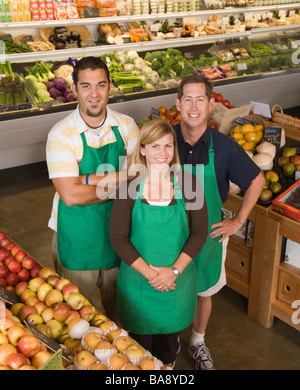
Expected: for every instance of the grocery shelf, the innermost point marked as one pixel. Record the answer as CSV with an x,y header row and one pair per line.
x,y
131,18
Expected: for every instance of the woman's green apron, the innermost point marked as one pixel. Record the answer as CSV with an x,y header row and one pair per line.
x,y
83,231
158,233
209,261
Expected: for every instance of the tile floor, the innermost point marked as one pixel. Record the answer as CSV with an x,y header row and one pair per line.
x,y
236,341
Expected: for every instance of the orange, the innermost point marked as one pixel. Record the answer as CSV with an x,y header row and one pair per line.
x,y
258,127
247,127
248,145
259,136
271,176
238,136
237,129
241,141
250,136
162,109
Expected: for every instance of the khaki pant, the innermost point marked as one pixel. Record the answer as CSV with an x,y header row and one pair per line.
x,y
90,281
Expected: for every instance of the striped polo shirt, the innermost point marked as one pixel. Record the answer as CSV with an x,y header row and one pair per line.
x,y
64,148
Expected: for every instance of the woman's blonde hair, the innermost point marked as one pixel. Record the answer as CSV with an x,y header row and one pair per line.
x,y
152,131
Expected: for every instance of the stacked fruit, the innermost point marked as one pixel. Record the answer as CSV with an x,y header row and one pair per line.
x,y
15,264
19,348
289,161
272,186
248,135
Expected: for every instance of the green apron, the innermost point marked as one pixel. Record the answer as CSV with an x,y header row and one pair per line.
x,y
158,233
209,260
83,239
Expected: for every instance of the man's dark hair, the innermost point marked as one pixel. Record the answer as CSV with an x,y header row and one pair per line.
x,y
89,63
195,78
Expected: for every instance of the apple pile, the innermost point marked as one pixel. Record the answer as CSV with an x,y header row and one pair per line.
x,y
19,348
15,264
289,161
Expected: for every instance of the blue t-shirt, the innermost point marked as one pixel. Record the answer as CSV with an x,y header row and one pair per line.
x,y
231,161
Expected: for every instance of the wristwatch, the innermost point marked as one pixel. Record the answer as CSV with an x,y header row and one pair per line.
x,y
175,270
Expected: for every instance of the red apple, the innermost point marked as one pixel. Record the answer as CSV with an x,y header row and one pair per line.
x,y
4,253
5,351
16,360
2,236
15,249
4,271
47,314
28,263
53,297
76,301
21,286
5,243
73,314
61,283
35,271
26,294
15,333
3,282
52,279
8,259
5,324
35,283
12,279
295,159
14,266
29,345
25,311
40,307
61,311
19,256
68,289
87,312
24,275
47,271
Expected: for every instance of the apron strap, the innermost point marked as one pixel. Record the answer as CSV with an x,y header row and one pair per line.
x,y
211,148
119,139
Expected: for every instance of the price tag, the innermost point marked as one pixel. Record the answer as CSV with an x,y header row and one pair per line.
x,y
261,109
154,114
273,136
242,66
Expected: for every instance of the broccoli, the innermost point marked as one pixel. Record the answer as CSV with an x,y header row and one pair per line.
x,y
149,57
156,64
174,52
187,70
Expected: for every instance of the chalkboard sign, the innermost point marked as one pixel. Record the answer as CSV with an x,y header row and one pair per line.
x,y
91,12
8,296
155,114
273,135
49,343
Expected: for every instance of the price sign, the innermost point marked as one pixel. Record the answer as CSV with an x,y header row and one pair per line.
x,y
273,135
155,114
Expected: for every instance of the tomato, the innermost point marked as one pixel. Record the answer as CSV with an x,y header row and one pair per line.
x,y
213,126
171,113
214,95
218,97
226,103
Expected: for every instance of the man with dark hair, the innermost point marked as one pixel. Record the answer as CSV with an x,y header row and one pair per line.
x,y
224,160
83,158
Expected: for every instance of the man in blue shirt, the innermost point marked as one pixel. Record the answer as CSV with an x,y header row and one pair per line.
x,y
223,159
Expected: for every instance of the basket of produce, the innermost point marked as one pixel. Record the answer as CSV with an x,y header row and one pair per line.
x,y
34,42
67,37
290,124
248,131
287,161
288,202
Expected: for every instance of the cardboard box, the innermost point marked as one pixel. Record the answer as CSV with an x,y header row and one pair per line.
x,y
279,204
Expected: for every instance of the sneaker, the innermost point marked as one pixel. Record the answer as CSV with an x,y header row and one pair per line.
x,y
200,353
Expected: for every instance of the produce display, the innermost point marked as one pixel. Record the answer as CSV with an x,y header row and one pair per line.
x,y
55,307
288,161
272,187
247,133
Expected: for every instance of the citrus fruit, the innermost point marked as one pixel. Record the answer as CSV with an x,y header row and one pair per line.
x,y
266,195
259,136
289,169
247,127
289,152
271,176
248,145
275,187
258,127
162,109
237,136
250,136
267,185
241,141
237,129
